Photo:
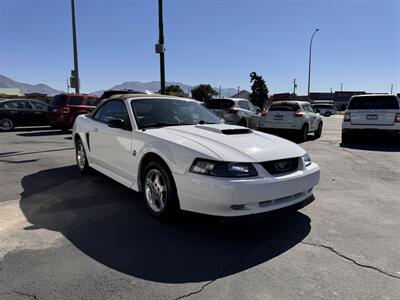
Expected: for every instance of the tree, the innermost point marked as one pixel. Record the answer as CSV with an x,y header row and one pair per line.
x,y
203,92
259,90
173,89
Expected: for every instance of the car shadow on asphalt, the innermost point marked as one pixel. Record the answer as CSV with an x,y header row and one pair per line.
x,y
31,128
382,144
43,133
110,224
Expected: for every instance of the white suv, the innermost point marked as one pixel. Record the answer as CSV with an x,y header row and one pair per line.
x,y
297,116
367,114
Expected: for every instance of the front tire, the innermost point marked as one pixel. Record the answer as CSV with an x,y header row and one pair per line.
x,y
6,124
81,158
159,191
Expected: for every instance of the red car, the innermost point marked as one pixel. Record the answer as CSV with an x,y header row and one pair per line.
x,y
64,109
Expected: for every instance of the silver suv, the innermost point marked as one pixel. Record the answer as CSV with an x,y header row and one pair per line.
x,y
236,111
368,114
326,110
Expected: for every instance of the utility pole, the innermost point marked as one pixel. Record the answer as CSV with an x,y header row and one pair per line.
x,y
220,91
75,82
67,86
309,61
160,46
238,89
294,86
391,89
341,87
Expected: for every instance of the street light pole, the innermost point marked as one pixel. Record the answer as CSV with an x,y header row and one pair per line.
x,y
309,62
160,49
76,68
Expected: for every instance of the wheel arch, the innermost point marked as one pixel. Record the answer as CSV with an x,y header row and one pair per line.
x,y
147,158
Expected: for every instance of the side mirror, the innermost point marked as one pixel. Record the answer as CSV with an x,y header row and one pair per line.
x,y
116,123
317,111
258,110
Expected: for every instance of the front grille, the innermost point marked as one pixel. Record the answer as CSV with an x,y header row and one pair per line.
x,y
274,167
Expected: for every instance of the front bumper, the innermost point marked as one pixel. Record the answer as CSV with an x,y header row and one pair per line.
x,y
238,197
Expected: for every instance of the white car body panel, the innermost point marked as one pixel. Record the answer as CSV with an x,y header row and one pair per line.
x,y
118,154
285,120
382,119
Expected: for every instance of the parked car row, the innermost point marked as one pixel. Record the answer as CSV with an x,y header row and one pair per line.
x,y
60,113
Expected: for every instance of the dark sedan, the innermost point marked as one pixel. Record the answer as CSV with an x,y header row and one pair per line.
x,y
22,112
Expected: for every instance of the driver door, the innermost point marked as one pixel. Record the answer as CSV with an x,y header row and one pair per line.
x,y
112,147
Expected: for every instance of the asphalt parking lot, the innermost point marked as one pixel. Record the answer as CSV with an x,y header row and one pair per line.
x,y
67,236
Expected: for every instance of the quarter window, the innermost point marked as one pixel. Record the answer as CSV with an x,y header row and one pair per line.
x,y
38,106
75,100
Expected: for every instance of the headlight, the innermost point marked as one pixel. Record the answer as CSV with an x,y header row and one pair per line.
x,y
222,169
306,159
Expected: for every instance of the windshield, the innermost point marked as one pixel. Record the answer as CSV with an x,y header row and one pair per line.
x,y
284,107
171,112
374,102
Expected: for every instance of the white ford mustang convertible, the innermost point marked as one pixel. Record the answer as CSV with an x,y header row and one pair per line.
x,y
183,157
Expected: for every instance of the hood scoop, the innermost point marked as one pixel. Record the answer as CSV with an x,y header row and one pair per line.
x,y
230,131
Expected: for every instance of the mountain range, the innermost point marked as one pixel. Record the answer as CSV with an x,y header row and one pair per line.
x,y
6,82
153,86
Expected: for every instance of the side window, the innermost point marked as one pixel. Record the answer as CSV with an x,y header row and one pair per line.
x,y
90,101
311,109
18,105
38,106
112,110
244,105
252,107
75,100
11,105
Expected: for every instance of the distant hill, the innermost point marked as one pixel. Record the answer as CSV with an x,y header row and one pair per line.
x,y
154,86
6,82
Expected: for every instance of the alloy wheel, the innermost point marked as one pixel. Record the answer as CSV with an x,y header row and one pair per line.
x,y
6,125
155,190
81,156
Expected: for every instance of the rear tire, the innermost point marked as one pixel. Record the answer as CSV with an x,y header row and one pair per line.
x,y
6,125
318,132
65,129
159,191
303,133
345,138
81,158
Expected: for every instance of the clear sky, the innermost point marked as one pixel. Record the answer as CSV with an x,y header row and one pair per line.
x,y
207,41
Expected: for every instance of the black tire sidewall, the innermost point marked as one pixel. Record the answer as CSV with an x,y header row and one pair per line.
x,y
318,133
303,133
172,206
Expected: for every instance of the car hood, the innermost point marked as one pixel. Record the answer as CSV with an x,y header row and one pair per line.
x,y
229,142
